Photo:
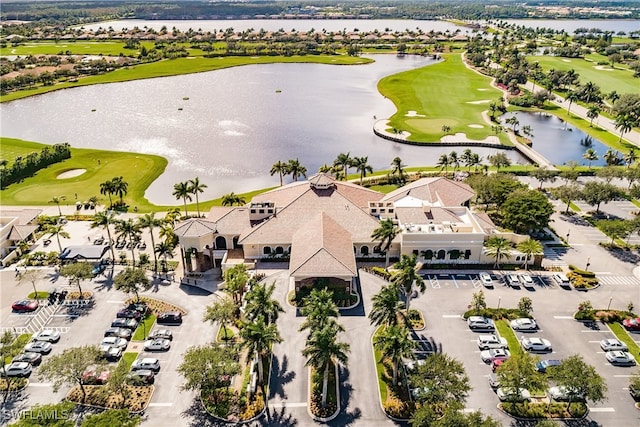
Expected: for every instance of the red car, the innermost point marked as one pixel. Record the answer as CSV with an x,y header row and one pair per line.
x,y
94,377
495,364
25,305
632,324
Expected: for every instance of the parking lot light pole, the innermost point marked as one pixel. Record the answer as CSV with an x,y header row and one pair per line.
x,y
568,233
609,306
499,299
588,264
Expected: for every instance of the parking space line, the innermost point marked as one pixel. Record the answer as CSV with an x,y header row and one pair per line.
x,y
563,317
623,376
433,280
40,384
455,282
592,409
288,405
160,404
450,316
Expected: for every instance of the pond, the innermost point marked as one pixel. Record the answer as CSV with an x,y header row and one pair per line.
x,y
235,124
556,140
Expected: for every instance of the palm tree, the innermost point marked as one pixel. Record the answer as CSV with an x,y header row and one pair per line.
x,y
591,155
128,228
385,233
195,187
296,169
320,310
322,350
150,221
444,162
499,248
362,166
613,97
394,343
476,161
513,121
612,157
107,188
172,215
467,158
529,248
571,97
56,200
181,191
104,219
164,250
345,161
630,157
231,199
280,168
592,113
260,303
454,160
624,122
387,306
397,168
57,230
120,187
258,337
407,277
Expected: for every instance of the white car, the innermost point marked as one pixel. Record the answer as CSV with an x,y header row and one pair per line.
x,y
613,344
146,363
488,356
486,280
48,335
526,280
562,394
159,344
41,347
161,333
535,344
17,369
512,395
479,322
120,343
617,357
561,279
513,281
486,342
523,324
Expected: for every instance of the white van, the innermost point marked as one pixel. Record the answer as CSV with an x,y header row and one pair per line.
x,y
561,279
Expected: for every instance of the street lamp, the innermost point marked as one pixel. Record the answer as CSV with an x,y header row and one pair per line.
x,y
568,233
499,299
609,306
588,264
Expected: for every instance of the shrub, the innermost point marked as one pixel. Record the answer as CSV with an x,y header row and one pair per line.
x,y
396,408
583,273
379,271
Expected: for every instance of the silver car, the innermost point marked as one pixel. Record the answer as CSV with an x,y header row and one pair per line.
x,y
48,335
486,342
523,324
613,344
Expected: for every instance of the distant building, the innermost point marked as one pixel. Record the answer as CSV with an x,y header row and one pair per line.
x,y
16,226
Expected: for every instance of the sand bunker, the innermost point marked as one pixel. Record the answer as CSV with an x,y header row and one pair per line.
x,y
71,174
483,89
462,137
414,114
566,60
475,126
602,68
482,101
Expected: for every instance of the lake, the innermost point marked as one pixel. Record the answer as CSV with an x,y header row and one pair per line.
x,y
235,125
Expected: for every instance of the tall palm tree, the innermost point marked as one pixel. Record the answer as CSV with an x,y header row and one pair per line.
x,y
499,248
57,200
467,158
630,157
260,303
107,188
593,113
394,343
571,97
320,310
476,161
513,121
164,250
624,122
407,277
385,233
454,160
361,164
150,221
181,191
172,215
58,231
120,187
130,229
322,351
591,155
397,168
258,337
232,199
280,168
104,219
195,187
529,248
345,161
387,307
296,169
443,162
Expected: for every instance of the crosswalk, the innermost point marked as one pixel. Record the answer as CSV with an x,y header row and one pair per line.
x,y
552,258
606,279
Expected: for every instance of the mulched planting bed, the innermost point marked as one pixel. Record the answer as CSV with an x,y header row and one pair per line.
x,y
157,306
97,395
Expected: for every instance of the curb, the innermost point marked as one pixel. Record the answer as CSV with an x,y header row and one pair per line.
x,y
499,407
354,305
338,409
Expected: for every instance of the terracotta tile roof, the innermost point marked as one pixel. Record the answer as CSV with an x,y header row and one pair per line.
x,y
485,222
195,227
21,232
234,221
435,190
436,215
321,247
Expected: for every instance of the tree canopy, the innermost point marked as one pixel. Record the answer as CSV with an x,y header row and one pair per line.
x,y
526,210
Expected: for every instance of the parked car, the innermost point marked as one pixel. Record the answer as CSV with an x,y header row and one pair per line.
x,y
140,307
510,394
141,376
488,356
125,323
480,323
486,280
48,335
169,318
32,358
526,280
486,342
561,279
126,313
513,281
523,324
113,354
622,358
98,269
41,347
161,333
613,344
93,376
118,332
494,383
25,306
17,369
158,344
632,324
536,344
543,365
146,363
495,364
115,342
563,394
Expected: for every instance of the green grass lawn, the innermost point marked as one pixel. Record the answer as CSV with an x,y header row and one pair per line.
x,y
382,384
619,79
128,358
624,336
142,332
446,94
506,332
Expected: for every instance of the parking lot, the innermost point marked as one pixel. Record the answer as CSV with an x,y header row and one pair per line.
x,y
471,280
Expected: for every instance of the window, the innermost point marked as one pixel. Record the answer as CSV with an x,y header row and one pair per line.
x,y
270,211
266,250
261,211
415,252
364,250
441,254
253,211
377,250
467,254
374,210
279,250
390,210
454,254
428,254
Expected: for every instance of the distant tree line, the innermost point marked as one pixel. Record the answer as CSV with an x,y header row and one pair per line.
x,y
23,167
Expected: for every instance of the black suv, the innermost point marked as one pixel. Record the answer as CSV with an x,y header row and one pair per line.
x,y
170,318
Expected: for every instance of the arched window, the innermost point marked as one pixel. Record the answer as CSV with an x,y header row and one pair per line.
x,y
377,250
441,254
279,250
364,250
266,250
221,242
428,254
